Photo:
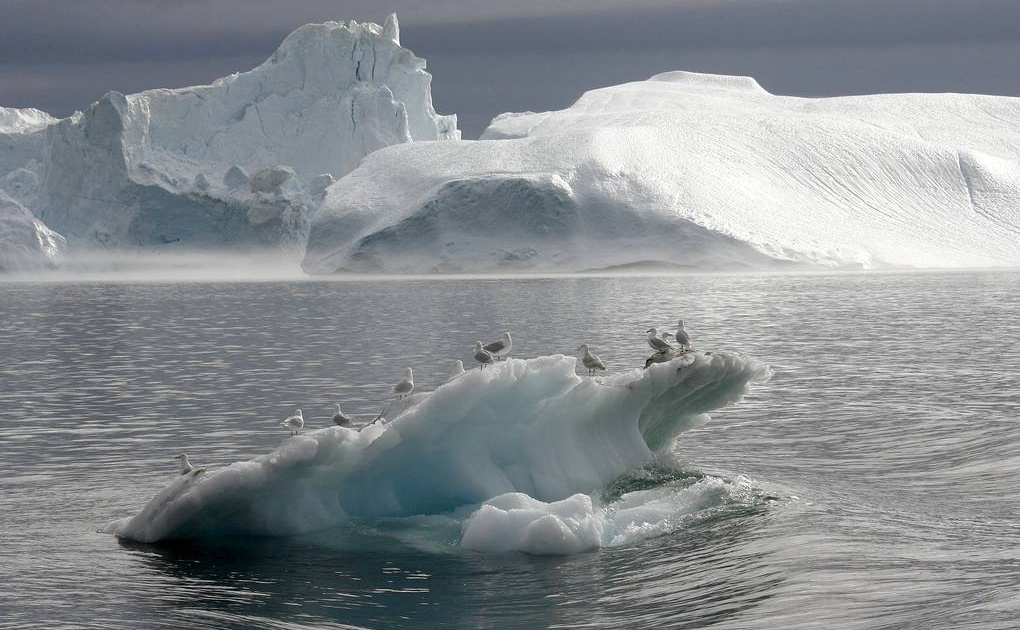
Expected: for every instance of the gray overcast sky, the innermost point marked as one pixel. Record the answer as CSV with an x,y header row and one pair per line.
x,y
489,57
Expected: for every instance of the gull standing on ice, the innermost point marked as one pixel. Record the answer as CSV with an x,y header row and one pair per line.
x,y
482,355
590,361
501,348
405,385
186,466
657,344
294,423
458,369
340,418
682,338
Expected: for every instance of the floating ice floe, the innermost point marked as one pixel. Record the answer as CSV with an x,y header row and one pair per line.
x,y
521,426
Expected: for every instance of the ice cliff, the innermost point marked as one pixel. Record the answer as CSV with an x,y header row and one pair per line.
x,y
26,244
235,164
692,170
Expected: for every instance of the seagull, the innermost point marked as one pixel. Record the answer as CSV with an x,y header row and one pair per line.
x,y
405,385
655,342
590,361
186,467
501,348
340,418
660,357
682,338
294,423
482,355
458,369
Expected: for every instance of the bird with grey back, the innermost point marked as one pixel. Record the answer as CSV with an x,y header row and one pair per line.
x,y
590,360
483,356
294,423
499,349
341,419
683,339
186,465
405,385
657,343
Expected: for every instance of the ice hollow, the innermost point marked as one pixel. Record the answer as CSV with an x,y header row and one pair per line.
x,y
521,426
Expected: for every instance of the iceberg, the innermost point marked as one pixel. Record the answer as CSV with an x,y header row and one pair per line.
x,y
691,170
26,244
14,120
530,427
226,165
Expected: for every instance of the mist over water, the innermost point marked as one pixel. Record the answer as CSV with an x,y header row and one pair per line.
x,y
870,484
169,266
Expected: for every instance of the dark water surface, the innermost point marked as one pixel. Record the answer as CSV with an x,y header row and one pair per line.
x,y
887,444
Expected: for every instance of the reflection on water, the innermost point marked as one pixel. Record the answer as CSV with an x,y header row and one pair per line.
x,y
891,418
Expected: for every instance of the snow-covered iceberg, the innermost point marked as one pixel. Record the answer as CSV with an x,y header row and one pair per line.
x,y
14,120
522,426
235,164
692,170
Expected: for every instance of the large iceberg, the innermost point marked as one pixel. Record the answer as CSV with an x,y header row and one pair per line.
x,y
692,170
235,164
522,426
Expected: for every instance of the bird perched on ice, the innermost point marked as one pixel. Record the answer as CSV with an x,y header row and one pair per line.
x,y
657,344
590,361
501,348
660,357
294,423
405,385
458,369
340,418
683,339
482,355
186,466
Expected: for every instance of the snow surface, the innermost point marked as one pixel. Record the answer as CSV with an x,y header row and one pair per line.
x,y
521,426
25,243
13,120
150,170
693,170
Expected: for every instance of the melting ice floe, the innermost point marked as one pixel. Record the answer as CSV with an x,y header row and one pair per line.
x,y
517,522
531,427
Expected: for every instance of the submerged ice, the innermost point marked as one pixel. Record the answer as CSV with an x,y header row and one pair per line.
x,y
520,434
518,522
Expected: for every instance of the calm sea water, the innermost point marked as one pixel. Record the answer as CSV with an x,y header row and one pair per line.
x,y
889,435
